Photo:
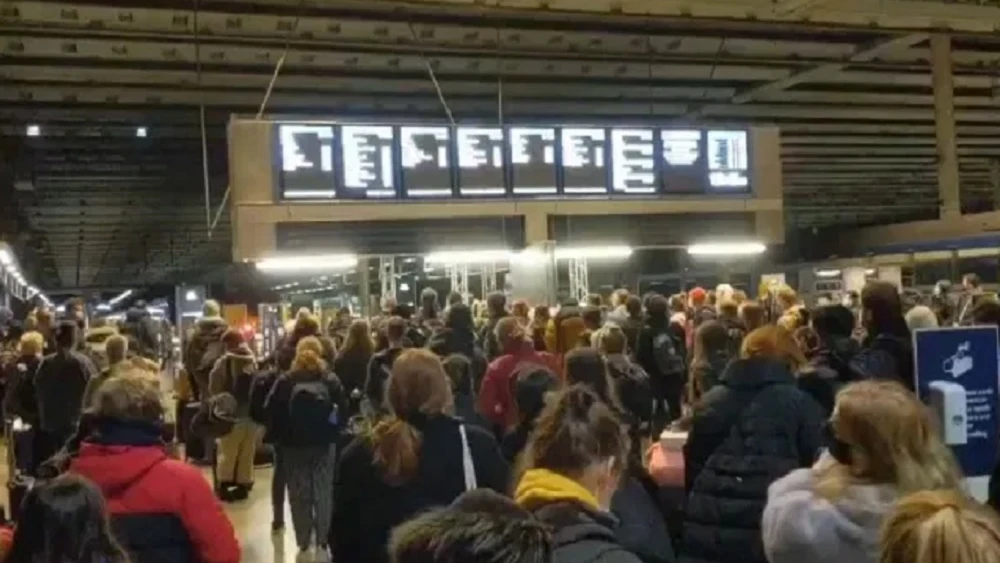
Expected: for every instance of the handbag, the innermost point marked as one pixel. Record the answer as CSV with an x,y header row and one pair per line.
x,y
468,468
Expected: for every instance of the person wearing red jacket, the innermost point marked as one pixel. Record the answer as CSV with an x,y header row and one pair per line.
x,y
162,509
496,399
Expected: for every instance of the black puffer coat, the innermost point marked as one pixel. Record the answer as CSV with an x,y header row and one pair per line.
x,y
752,429
583,536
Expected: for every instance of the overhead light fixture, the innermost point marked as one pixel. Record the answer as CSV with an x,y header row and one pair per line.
x,y
726,249
33,130
827,273
121,297
483,256
308,263
404,287
104,307
870,272
5,257
140,132
593,252
191,295
409,260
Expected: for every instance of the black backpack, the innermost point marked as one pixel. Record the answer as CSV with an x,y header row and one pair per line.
x,y
669,361
313,419
263,382
634,390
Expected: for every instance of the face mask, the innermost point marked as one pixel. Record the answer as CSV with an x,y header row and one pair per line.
x,y
838,449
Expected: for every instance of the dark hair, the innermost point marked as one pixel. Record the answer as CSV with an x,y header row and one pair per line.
x,y
459,370
66,333
586,366
480,525
541,313
395,329
403,311
986,312
972,279
530,389
574,432
883,310
65,519
595,300
359,340
710,338
455,298
657,307
634,306
752,315
591,317
429,303
496,304
728,309
832,321
459,318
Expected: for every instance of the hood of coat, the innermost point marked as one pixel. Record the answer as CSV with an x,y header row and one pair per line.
x,y
754,373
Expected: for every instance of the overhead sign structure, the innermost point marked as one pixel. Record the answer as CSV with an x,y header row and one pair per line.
x,y
330,161
958,374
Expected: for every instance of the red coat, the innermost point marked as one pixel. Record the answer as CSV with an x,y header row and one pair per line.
x,y
496,397
155,501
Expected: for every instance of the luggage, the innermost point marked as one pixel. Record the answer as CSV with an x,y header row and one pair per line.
x,y
194,446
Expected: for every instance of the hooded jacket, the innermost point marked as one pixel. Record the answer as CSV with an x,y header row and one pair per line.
x,y
206,331
162,510
366,507
447,341
20,398
60,384
706,375
887,356
496,399
277,404
141,330
752,429
225,376
581,532
799,526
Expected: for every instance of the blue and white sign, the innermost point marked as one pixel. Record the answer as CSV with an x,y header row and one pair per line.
x,y
958,374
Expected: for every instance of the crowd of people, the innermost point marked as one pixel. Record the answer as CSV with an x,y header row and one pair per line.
x,y
428,437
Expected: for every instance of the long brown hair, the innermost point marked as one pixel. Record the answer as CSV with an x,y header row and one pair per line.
x,y
773,343
892,440
359,341
417,388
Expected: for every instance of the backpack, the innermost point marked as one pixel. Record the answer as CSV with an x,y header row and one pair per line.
x,y
668,361
213,351
261,387
313,419
634,390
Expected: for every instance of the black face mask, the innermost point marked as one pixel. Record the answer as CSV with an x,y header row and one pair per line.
x,y
839,449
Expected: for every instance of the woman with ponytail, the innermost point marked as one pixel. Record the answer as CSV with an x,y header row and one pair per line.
x,y
415,458
574,462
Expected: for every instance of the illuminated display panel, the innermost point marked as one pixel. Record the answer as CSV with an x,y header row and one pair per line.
x,y
480,161
318,161
584,160
426,161
682,161
533,160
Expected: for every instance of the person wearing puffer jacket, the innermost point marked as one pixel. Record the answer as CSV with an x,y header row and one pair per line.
x,y
233,375
883,446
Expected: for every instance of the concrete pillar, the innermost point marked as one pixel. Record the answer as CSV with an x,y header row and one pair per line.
x,y
891,274
536,227
365,288
854,279
944,121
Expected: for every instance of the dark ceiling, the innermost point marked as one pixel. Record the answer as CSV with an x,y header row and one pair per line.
x,y
99,205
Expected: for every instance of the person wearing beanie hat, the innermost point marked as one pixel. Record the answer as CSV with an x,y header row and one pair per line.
x,y
211,309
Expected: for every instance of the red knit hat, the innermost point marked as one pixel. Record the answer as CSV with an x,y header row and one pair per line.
x,y
697,296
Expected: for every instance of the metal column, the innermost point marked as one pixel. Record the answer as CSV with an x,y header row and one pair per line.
x,y
459,276
387,276
489,280
578,283
365,289
944,122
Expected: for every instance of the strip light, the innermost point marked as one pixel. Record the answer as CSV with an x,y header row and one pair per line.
x,y
120,297
308,263
726,249
468,256
594,252
827,273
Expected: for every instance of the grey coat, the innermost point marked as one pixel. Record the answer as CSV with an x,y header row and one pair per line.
x,y
799,526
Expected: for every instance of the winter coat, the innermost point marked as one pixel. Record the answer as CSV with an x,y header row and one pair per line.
x,y
142,330
60,384
583,536
162,510
563,332
206,331
277,404
20,398
446,341
752,429
367,508
631,327
645,354
642,528
706,375
223,379
496,400
886,356
488,338
379,370
352,370
798,526
633,387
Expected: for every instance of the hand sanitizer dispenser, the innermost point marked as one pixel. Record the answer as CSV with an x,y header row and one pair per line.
x,y
949,403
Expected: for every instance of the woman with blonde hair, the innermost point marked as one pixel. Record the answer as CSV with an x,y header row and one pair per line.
x,y
882,446
306,408
940,527
750,430
415,458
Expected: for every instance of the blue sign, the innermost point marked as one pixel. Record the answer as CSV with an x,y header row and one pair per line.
x,y
958,374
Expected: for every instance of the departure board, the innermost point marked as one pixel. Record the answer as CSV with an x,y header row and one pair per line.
x,y
426,161
317,161
307,167
480,161
584,153
682,168
368,164
533,160
633,161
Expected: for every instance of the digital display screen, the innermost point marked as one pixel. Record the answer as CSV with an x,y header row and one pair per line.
x,y
633,164
320,161
682,162
426,161
307,168
533,160
728,160
368,161
480,161
584,152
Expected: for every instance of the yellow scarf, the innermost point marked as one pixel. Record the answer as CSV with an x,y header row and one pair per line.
x,y
541,486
